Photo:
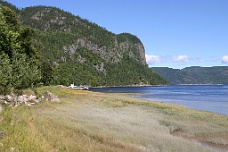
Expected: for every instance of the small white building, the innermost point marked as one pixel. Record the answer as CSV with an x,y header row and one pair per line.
x,y
71,85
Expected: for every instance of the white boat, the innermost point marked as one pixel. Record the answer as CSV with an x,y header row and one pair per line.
x,y
81,87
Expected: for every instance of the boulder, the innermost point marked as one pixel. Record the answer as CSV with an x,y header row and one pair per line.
x,y
20,98
6,102
25,98
9,97
31,97
37,100
15,101
50,97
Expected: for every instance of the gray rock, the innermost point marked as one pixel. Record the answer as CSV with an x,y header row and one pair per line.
x,y
50,97
37,101
9,97
20,98
31,97
6,102
25,98
15,101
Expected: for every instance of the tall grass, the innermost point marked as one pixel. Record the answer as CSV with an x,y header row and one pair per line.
x,y
87,121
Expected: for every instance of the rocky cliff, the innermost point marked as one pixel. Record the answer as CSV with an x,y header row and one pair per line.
x,y
109,46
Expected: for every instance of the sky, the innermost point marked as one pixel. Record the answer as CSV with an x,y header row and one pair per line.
x,y
175,33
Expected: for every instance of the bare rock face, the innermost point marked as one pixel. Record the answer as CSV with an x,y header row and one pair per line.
x,y
141,52
114,55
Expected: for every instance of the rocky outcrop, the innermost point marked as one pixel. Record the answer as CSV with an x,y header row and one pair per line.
x,y
108,45
114,55
141,52
19,100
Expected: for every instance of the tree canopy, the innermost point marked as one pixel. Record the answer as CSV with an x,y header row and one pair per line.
x,y
18,60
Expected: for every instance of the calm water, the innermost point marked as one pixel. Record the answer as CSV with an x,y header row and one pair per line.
x,y
213,98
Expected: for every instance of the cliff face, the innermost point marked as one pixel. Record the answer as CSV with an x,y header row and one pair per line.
x,y
88,35
141,53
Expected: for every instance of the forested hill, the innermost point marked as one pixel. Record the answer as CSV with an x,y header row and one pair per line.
x,y
194,75
73,49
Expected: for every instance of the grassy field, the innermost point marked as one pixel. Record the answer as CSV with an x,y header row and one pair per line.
x,y
99,122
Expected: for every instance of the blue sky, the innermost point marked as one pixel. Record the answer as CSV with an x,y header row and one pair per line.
x,y
175,33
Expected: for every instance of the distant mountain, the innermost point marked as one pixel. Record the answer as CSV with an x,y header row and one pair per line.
x,y
194,75
75,50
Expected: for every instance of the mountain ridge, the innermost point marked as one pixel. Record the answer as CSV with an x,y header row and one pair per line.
x,y
194,75
55,20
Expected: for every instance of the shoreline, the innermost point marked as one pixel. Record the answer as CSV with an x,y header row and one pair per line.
x,y
187,98
92,121
173,103
127,86
158,85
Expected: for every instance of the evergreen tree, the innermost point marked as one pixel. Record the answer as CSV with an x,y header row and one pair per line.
x,y
5,70
18,61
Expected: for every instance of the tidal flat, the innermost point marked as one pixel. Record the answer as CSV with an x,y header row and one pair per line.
x,y
91,121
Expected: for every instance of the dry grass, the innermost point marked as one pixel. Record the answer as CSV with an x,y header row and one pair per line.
x,y
87,121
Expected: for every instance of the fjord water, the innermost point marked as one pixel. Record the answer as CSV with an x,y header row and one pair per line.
x,y
213,98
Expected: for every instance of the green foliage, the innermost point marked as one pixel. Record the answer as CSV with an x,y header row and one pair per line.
x,y
46,72
208,75
25,71
10,18
12,7
9,33
14,37
5,70
124,36
131,72
81,70
25,37
19,68
5,74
